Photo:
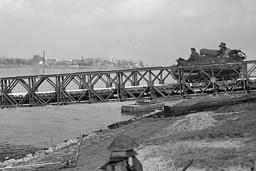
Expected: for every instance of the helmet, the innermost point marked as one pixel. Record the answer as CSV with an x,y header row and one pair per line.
x,y
116,155
222,44
122,143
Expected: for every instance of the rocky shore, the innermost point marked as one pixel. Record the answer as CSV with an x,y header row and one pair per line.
x,y
25,154
19,156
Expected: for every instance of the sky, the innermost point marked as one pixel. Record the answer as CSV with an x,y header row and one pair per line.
x,y
156,32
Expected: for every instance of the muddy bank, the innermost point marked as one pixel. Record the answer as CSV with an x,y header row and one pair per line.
x,y
214,140
10,151
220,139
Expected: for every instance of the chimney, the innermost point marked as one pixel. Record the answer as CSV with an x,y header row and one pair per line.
x,y
43,59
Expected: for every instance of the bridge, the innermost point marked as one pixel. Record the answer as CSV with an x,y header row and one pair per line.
x,y
128,84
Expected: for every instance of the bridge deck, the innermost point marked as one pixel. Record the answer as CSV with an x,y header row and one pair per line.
x,y
102,86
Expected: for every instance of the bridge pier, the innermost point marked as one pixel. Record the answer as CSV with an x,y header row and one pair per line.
x,y
109,82
181,81
161,80
83,82
121,87
151,85
31,83
245,78
135,79
90,88
57,89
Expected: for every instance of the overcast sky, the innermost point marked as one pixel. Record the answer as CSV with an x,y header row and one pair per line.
x,y
154,31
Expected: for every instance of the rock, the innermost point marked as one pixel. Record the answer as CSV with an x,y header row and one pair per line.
x,y
9,162
29,155
50,150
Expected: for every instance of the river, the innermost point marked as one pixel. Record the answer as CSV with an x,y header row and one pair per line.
x,y
49,125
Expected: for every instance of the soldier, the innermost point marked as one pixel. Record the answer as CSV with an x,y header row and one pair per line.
x,y
194,55
122,156
224,51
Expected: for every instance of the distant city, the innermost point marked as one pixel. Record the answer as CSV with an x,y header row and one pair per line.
x,y
82,62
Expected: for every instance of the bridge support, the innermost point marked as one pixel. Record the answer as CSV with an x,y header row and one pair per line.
x,y
126,84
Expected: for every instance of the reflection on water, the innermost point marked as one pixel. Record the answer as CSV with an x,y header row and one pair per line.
x,y
38,70
41,70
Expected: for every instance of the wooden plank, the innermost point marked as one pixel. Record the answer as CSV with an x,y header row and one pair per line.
x,y
205,103
78,149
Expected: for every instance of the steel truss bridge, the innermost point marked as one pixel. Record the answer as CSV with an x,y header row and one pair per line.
x,y
119,85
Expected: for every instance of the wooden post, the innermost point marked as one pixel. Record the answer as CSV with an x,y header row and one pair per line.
x,y
150,85
57,89
3,90
180,81
5,85
120,86
30,83
109,82
161,81
246,78
78,149
90,87
135,79
83,82
2,98
187,165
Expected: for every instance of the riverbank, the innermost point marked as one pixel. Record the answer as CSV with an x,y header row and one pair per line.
x,y
28,130
221,139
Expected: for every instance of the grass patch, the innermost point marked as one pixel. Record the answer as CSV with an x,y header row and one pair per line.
x,y
207,157
237,108
233,126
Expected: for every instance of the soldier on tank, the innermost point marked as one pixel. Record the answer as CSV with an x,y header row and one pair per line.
x,y
194,55
224,51
122,156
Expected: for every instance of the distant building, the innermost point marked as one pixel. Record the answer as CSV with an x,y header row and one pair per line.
x,y
51,61
37,59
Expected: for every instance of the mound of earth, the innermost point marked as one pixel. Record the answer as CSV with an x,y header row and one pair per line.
x,y
193,122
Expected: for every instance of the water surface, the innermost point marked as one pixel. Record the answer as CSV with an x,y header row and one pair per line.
x,y
49,125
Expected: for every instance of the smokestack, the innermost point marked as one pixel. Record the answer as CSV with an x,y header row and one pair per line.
x,y
43,59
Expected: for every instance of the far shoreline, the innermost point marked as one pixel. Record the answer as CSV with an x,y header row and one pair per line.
x,y
63,67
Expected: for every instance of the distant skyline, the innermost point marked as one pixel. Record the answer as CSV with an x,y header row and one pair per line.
x,y
156,32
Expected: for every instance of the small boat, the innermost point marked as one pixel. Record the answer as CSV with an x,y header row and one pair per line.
x,y
142,106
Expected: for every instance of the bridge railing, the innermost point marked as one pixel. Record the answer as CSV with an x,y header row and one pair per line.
x,y
83,86
125,84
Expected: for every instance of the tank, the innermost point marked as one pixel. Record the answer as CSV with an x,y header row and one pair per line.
x,y
208,62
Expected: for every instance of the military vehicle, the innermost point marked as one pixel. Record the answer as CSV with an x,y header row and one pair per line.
x,y
208,64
